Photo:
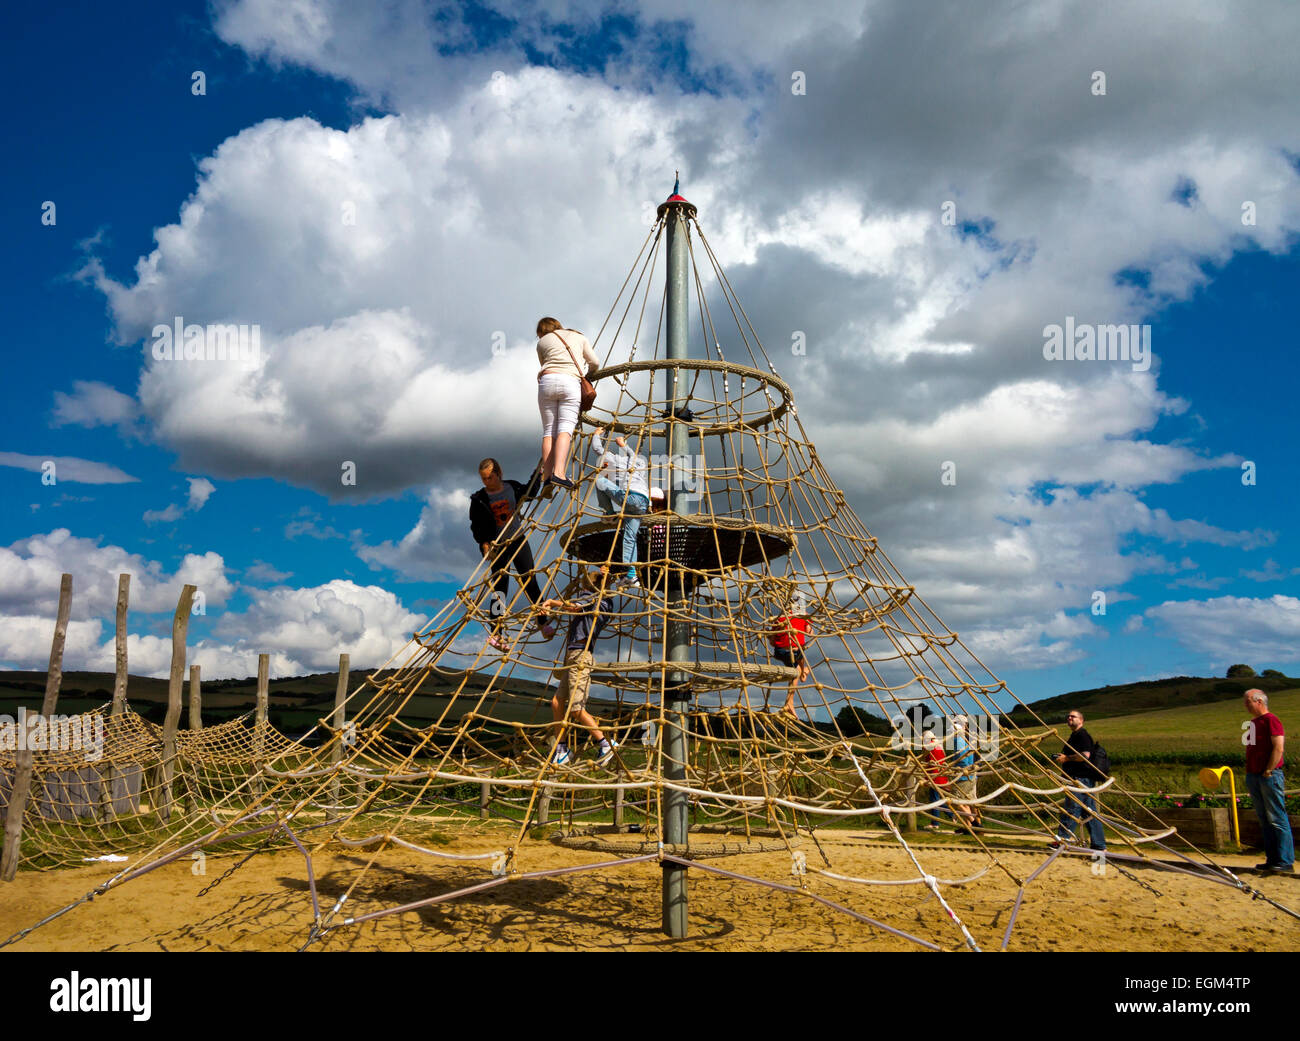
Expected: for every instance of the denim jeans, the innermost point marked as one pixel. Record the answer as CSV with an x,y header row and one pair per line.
x,y
1075,806
934,795
633,505
1270,808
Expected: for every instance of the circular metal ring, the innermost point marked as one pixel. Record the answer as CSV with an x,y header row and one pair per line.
x,y
696,427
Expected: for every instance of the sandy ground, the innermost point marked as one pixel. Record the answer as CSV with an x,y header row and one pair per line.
x,y
266,905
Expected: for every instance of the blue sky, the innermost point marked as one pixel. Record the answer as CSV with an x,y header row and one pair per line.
x,y
825,208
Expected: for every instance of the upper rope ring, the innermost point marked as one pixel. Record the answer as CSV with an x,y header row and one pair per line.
x,y
703,424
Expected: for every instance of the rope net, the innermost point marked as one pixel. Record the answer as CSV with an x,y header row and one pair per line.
x,y
451,750
114,790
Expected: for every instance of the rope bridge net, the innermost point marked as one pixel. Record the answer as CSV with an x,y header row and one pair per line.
x,y
107,793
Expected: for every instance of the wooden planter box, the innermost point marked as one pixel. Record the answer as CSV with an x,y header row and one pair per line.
x,y
1204,829
1212,829
1252,835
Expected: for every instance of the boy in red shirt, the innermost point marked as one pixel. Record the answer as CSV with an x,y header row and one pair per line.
x,y
789,634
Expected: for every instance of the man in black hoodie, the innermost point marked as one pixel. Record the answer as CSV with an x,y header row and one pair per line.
x,y
496,529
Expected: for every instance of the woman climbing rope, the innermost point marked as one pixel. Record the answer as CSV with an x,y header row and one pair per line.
x,y
566,358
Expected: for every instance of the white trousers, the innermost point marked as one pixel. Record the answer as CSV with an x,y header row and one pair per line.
x,y
558,400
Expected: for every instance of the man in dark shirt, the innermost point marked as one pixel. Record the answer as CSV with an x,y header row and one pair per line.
x,y
1265,747
496,529
1073,759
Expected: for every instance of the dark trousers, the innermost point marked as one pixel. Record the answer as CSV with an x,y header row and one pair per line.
x,y
517,556
1076,806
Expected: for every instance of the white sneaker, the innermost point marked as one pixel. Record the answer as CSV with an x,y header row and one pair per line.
x,y
607,753
562,756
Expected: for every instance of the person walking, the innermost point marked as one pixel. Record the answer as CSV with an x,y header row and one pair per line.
x,y
1073,759
933,760
963,783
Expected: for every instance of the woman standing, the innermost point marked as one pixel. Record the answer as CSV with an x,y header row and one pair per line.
x,y
565,357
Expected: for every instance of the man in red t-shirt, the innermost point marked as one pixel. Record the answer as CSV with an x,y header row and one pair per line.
x,y
789,634
1265,747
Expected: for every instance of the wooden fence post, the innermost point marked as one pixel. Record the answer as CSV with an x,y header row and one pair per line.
x,y
909,819
544,806
484,798
22,786
119,682
196,700
175,684
259,716
618,808
109,780
339,721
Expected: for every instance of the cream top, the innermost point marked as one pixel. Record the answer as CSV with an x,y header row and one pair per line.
x,y
553,356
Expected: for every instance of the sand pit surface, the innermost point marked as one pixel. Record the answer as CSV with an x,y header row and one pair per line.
x,y
266,905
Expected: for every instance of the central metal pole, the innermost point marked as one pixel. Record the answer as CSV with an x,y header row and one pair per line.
x,y
677,689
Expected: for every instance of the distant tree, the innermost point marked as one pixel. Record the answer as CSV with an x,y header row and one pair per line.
x,y
1273,674
853,721
849,721
1240,672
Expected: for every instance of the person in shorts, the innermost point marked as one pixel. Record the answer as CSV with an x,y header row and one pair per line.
x,y
789,636
961,787
590,609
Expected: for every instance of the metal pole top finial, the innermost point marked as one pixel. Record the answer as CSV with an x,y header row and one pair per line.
x,y
676,200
